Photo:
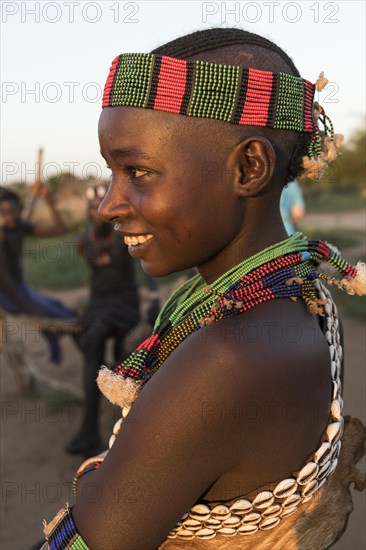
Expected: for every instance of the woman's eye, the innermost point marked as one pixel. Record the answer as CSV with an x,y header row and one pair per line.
x,y
134,172
138,172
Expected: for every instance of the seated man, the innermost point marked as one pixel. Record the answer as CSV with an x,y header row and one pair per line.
x,y
15,295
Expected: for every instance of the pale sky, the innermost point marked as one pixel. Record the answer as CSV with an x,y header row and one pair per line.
x,y
56,56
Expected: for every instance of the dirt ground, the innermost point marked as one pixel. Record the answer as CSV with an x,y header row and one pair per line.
x,y
37,474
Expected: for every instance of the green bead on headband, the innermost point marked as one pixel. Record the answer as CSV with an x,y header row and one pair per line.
x,y
230,93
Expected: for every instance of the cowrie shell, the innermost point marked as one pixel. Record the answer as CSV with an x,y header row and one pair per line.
x,y
288,511
241,506
292,500
125,411
309,488
336,449
333,369
321,483
220,512
333,467
192,524
200,512
323,470
247,529
285,488
332,431
306,499
323,453
232,521
340,399
227,531
335,389
332,352
308,473
335,409
213,523
253,517
117,426
263,499
269,523
321,294
205,534
272,511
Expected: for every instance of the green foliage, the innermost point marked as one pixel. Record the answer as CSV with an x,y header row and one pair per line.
x,y
54,263
53,183
333,200
353,306
348,171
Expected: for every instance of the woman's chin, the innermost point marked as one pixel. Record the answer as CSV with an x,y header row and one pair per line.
x,y
158,270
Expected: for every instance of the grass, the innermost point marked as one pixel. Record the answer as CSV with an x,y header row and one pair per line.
x,y
54,263
333,200
351,306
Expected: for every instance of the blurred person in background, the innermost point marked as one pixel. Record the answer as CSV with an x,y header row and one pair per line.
x,y
292,206
15,295
112,311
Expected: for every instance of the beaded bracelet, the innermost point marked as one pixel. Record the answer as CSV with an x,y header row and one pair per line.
x,y
61,532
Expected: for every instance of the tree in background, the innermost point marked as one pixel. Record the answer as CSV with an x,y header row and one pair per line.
x,y
348,172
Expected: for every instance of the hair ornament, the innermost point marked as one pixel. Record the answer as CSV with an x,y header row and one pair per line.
x,y
356,284
321,82
324,144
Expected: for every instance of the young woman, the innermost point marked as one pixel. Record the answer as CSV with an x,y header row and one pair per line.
x,y
231,410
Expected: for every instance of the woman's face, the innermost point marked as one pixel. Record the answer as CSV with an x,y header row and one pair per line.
x,y
170,189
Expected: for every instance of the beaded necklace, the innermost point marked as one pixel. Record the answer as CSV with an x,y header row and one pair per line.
x,y
287,269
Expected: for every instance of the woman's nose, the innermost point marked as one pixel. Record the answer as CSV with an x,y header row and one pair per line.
x,y
114,206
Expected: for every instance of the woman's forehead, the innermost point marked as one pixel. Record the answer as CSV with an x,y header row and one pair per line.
x,y
131,119
137,131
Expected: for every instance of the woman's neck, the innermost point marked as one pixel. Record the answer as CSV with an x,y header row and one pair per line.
x,y
254,237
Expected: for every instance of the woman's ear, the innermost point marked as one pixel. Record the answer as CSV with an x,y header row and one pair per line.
x,y
253,163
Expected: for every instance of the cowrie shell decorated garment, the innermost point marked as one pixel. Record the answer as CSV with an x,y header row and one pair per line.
x,y
246,520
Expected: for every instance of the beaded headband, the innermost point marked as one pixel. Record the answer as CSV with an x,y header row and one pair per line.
x,y
209,90
230,93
